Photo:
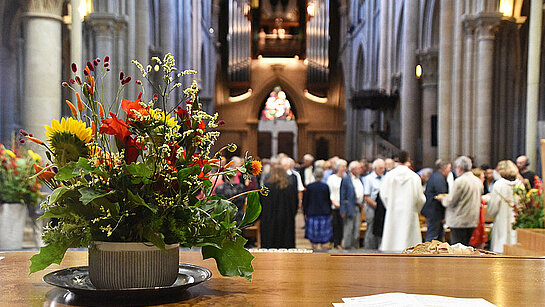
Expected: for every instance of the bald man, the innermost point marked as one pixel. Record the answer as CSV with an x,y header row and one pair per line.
x,y
522,165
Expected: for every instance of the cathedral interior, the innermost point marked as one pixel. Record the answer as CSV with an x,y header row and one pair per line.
x,y
352,78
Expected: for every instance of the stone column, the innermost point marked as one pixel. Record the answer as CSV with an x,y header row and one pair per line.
x,y
42,65
103,25
75,37
410,111
167,21
446,21
428,60
383,53
456,83
468,92
142,40
486,28
532,92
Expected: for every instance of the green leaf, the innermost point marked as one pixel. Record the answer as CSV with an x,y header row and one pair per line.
x,y
232,259
186,172
253,209
137,200
156,238
57,194
85,164
52,253
139,170
89,194
67,172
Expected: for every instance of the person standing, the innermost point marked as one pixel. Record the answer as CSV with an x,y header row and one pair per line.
x,y
371,188
334,183
307,169
402,195
499,209
278,210
317,209
463,202
351,197
433,211
528,175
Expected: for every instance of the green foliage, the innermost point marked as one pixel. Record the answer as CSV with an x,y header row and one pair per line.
x,y
528,207
148,178
232,258
16,166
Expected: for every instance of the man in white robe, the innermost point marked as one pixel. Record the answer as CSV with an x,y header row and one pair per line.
x,y
402,196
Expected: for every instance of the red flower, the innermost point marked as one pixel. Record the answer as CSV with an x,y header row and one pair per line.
x,y
133,149
46,176
128,106
202,126
184,116
115,126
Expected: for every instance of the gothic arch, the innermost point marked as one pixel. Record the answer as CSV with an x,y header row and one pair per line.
x,y
291,92
398,40
359,77
430,25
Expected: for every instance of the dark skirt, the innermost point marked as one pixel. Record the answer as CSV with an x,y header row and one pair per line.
x,y
318,229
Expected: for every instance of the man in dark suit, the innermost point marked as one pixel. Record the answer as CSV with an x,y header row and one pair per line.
x,y
433,210
351,198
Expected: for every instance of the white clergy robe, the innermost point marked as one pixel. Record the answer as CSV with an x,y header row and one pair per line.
x,y
401,194
504,217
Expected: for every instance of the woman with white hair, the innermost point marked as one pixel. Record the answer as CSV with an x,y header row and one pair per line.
x,y
334,183
499,209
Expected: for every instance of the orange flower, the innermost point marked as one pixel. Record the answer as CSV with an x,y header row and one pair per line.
x,y
35,140
228,164
72,108
255,168
101,110
46,175
115,126
128,106
93,127
80,103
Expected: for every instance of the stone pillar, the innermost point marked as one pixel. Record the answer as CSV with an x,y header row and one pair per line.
x,y
456,83
486,28
167,21
532,92
428,60
446,20
75,37
410,111
103,25
383,53
468,92
42,65
142,40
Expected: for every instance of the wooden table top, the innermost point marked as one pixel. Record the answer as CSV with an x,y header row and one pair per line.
x,y
318,279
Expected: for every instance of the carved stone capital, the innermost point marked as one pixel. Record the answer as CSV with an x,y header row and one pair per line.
x,y
49,9
104,24
428,59
487,25
469,25
52,7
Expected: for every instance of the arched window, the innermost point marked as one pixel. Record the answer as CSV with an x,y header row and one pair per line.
x,y
277,106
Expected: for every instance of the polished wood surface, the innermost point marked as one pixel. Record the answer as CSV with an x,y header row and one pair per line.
x,y
318,279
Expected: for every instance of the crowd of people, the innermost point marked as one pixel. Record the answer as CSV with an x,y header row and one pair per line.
x,y
333,194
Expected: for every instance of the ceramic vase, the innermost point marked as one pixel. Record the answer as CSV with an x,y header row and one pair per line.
x,y
12,226
123,265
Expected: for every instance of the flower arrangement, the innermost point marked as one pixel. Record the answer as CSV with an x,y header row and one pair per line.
x,y
141,175
16,166
528,208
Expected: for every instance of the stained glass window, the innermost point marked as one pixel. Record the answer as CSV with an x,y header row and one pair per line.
x,y
277,106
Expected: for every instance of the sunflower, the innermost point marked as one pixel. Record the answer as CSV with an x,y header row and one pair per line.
x,y
68,139
158,115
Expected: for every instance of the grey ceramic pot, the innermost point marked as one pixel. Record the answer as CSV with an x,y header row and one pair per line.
x,y
122,265
12,226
